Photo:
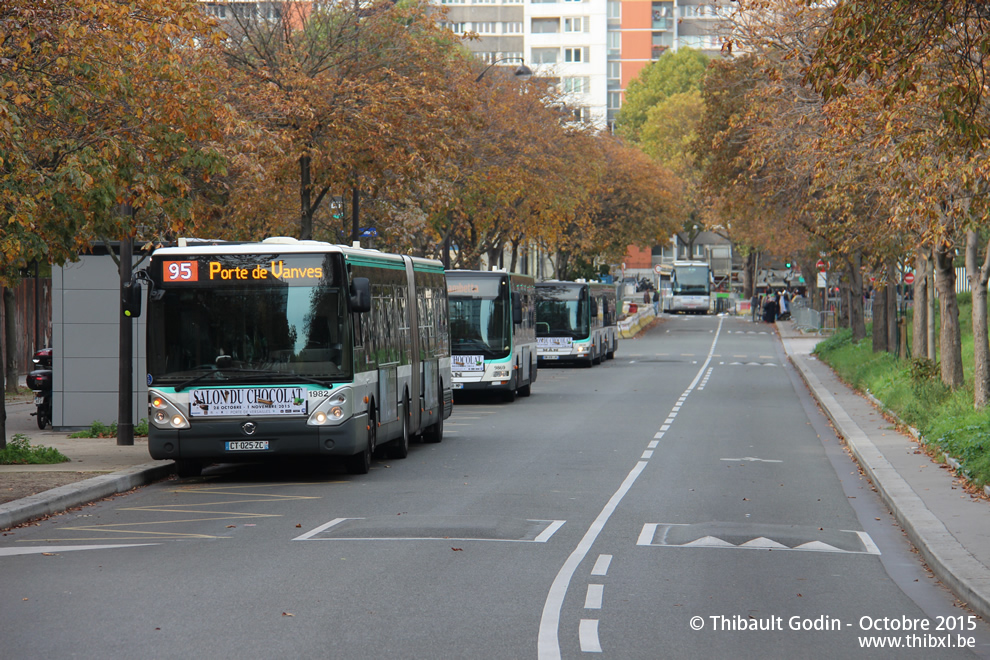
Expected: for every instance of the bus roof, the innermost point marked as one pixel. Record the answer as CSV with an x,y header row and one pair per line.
x,y
288,245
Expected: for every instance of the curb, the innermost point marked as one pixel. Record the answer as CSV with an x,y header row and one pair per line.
x,y
82,492
945,556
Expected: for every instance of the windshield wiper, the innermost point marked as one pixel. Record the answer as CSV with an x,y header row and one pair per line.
x,y
268,372
195,379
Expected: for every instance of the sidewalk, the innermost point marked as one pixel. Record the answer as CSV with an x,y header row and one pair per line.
x,y
947,526
99,468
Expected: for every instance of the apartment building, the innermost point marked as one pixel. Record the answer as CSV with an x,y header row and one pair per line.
x,y
591,48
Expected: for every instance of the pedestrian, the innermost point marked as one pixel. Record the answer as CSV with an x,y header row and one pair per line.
x,y
656,303
754,305
769,309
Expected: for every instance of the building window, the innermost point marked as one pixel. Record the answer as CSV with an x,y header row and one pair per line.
x,y
614,42
614,100
614,70
577,24
545,55
512,28
576,85
485,27
545,25
614,9
576,54
581,114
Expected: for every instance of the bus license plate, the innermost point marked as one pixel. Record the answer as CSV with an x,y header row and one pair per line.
x,y
457,386
549,357
247,445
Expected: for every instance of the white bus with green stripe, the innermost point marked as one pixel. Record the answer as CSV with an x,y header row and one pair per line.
x,y
492,331
289,348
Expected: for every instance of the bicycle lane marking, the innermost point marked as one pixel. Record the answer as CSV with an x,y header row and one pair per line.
x,y
548,641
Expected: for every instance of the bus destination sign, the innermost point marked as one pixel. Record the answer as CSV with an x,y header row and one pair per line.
x,y
307,271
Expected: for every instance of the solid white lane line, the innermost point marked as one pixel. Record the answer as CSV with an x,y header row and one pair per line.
x,y
55,549
322,528
601,566
545,535
593,599
548,646
588,634
646,534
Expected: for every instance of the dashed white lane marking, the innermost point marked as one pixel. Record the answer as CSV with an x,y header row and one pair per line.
x,y
653,444
648,454
659,435
593,599
55,549
752,460
588,636
548,643
601,566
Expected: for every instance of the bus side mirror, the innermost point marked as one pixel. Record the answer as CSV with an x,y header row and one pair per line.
x,y
131,297
361,295
517,311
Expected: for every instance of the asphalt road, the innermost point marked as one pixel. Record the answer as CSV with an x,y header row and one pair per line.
x,y
684,500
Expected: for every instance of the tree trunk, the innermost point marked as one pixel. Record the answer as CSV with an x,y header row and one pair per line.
x,y
857,317
305,199
3,404
919,324
893,285
10,328
749,278
880,338
978,274
932,343
809,270
949,336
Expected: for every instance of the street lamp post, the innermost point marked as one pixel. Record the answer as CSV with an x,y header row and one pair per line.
x,y
522,72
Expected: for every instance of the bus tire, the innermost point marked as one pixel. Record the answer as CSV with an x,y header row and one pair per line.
x,y
526,389
509,395
399,448
188,467
434,432
360,463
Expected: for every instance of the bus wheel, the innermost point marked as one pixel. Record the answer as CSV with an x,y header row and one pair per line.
x,y
526,389
399,448
510,394
434,432
360,463
188,467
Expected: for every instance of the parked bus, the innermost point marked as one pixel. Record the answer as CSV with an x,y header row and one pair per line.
x,y
492,331
690,288
293,348
576,322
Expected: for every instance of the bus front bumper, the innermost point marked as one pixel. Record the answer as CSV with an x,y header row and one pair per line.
x,y
209,440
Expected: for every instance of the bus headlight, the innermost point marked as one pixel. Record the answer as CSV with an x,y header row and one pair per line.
x,y
165,414
332,410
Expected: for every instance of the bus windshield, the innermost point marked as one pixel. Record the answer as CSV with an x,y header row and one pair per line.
x,y
239,332
562,312
479,317
690,281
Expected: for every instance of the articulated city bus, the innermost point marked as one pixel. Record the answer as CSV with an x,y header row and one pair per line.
x,y
293,348
690,288
576,322
492,335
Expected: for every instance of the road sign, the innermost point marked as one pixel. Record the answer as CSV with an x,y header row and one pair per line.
x,y
657,269
821,265
909,278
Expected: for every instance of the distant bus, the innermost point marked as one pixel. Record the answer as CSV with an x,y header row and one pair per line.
x,y
293,348
576,322
492,333
690,287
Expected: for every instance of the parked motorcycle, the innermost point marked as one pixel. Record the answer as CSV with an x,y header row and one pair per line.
x,y
40,380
